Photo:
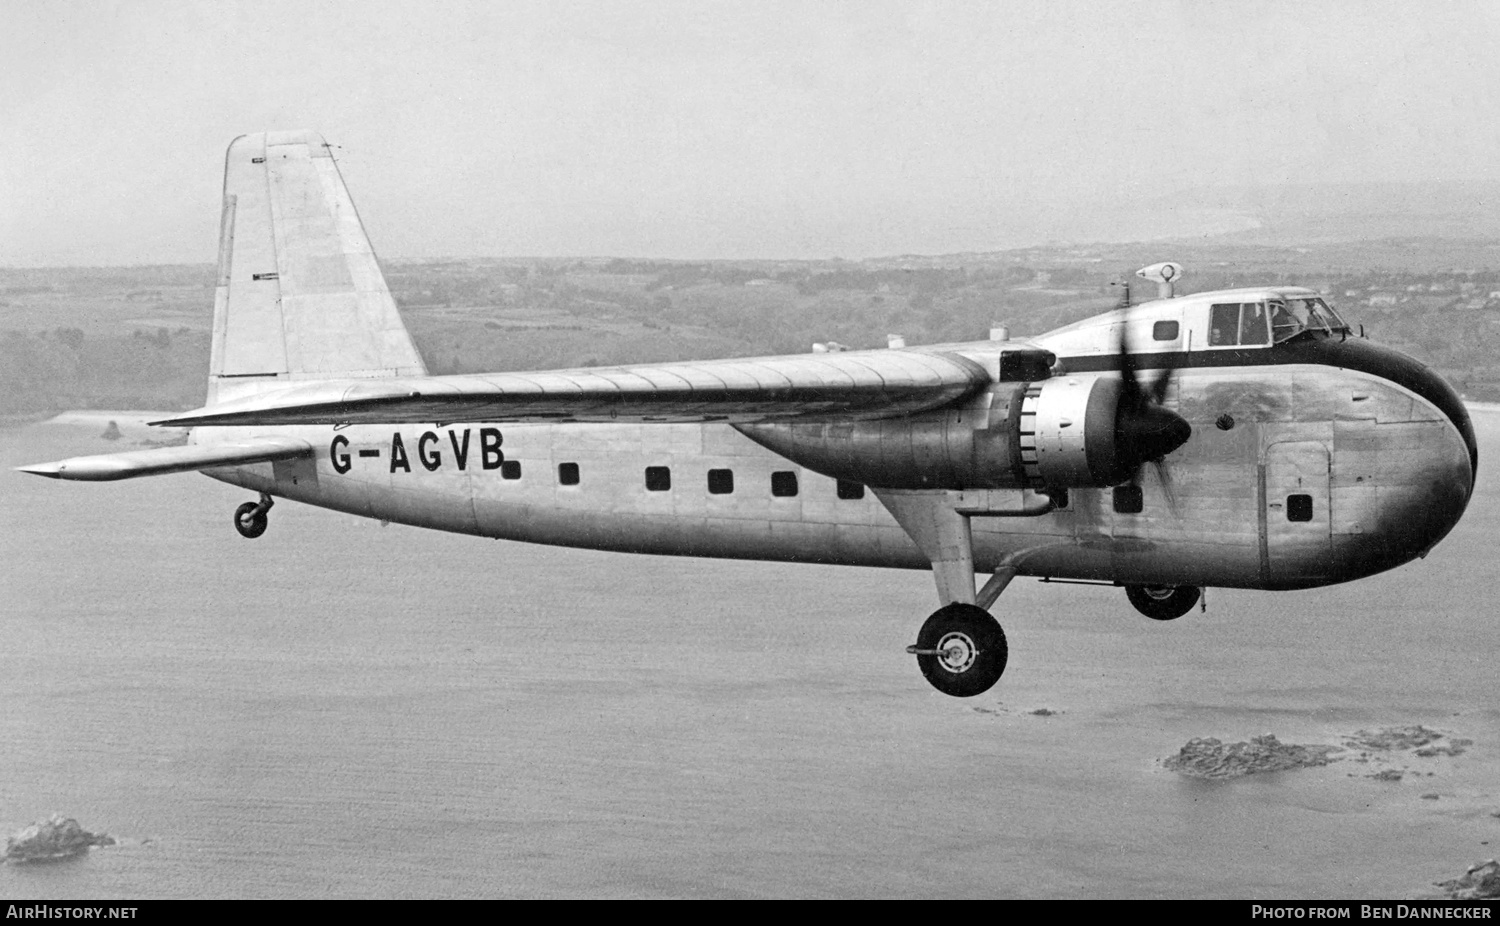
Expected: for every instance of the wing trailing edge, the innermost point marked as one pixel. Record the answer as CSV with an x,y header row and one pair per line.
x,y
162,460
866,384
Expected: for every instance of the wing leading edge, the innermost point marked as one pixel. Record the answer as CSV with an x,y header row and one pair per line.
x,y
162,460
866,384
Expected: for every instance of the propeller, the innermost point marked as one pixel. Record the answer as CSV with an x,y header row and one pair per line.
x,y
1145,430
1164,476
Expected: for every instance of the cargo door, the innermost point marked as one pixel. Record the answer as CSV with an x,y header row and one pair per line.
x,y
1295,517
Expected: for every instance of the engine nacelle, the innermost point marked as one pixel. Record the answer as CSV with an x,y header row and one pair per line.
x,y
1059,433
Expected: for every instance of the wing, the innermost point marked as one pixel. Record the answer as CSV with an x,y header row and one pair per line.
x,y
864,384
110,466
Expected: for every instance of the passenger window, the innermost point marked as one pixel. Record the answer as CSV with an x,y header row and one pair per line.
x,y
567,474
850,491
510,469
1299,508
1130,499
784,484
1223,325
658,479
720,481
1164,331
1254,325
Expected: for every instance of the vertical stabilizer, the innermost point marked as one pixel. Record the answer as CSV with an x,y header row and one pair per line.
x,y
300,295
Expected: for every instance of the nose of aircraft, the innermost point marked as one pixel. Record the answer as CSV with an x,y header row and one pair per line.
x,y
1422,504
1448,465
1404,371
1447,495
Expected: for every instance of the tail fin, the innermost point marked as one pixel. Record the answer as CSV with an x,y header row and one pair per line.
x,y
300,295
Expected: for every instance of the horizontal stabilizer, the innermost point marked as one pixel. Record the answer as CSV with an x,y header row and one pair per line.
x,y
111,466
866,384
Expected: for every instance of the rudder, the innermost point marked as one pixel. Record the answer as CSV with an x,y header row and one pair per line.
x,y
300,294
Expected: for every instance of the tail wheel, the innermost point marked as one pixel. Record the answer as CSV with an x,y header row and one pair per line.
x,y
961,650
250,520
1162,602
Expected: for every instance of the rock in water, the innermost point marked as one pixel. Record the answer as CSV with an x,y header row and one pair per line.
x,y
1480,882
56,837
1394,738
1210,758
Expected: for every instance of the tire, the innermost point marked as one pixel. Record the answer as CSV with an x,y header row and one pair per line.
x,y
248,522
975,650
1162,602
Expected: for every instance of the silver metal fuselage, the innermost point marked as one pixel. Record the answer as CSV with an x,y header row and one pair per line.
x,y
1388,472
1266,447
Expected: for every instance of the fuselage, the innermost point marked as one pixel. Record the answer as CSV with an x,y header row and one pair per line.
x,y
1316,460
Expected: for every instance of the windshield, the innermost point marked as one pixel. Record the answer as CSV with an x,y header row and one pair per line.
x,y
1293,316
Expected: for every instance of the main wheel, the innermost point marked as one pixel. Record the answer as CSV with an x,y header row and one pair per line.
x,y
250,521
1162,602
961,650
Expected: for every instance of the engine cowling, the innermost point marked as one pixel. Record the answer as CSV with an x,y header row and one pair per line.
x,y
1087,430
1067,432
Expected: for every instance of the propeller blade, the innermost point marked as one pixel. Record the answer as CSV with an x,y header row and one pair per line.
x,y
1145,430
1160,385
1132,394
1168,491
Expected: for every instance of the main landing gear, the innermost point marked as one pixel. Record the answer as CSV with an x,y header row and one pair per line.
x,y
250,518
961,650
1163,602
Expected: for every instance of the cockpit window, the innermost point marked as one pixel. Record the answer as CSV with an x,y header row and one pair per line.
x,y
1237,323
1253,327
1309,313
1223,325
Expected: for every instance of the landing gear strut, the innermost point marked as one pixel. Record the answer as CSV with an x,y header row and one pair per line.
x,y
961,650
1162,602
250,518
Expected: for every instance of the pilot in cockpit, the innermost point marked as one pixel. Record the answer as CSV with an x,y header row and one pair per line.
x,y
1287,322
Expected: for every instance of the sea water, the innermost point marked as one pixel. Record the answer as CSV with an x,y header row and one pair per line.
x,y
341,709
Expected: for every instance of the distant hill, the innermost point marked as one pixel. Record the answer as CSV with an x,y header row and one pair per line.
x,y
1418,266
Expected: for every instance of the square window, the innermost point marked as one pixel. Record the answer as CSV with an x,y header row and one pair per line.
x,y
658,478
567,474
1165,331
720,481
1299,508
1129,499
510,469
1224,325
850,491
1254,324
784,484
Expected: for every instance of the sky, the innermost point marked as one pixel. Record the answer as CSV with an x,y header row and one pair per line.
x,y
722,130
